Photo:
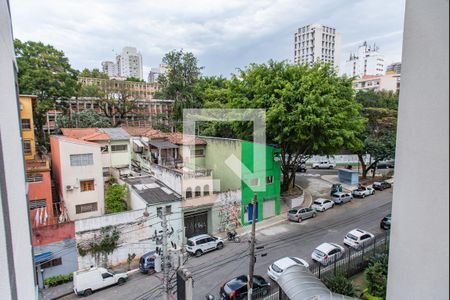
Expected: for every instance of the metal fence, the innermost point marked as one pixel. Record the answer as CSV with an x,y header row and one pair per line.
x,y
353,261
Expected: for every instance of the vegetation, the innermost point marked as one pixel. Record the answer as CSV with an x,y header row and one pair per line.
x,y
115,198
134,79
376,276
58,279
340,284
85,119
94,73
104,244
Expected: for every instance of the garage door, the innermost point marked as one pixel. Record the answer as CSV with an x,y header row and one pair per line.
x,y
269,209
196,224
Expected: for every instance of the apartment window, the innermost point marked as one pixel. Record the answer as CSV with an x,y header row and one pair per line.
x,y
81,159
269,179
199,152
34,177
119,148
198,191
84,208
104,149
206,190
254,182
188,193
27,147
26,124
87,185
52,263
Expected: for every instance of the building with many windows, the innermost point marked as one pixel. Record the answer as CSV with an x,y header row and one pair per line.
x,y
109,68
389,82
314,43
129,63
367,61
394,68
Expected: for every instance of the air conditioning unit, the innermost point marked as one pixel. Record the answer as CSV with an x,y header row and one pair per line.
x,y
69,187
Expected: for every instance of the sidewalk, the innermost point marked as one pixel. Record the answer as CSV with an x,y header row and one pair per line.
x,y
334,179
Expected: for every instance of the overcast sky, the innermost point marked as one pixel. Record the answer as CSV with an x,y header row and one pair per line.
x,y
223,34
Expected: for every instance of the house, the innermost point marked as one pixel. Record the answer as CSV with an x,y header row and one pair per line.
x,y
78,173
42,210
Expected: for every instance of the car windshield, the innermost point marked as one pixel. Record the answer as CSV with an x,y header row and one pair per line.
x,y
276,268
293,211
352,237
190,243
335,195
319,253
317,202
235,284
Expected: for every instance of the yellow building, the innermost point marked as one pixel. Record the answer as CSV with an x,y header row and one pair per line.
x,y
26,116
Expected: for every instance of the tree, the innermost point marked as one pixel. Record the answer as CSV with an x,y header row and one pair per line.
x,y
134,79
376,277
340,284
85,119
94,73
116,103
308,110
45,72
115,198
179,81
379,136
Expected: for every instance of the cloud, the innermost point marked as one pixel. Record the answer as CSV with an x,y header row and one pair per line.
x,y
224,34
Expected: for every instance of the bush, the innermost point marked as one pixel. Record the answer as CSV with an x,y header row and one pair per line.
x,y
58,279
376,276
340,284
114,200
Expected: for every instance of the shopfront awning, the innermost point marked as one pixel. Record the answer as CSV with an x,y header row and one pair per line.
x,y
42,257
162,144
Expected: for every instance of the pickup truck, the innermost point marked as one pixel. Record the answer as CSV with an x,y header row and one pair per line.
x,y
323,165
363,192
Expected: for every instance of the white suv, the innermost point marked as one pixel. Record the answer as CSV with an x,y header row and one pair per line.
x,y
197,245
323,165
357,238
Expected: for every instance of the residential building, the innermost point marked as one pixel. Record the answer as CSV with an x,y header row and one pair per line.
x,y
378,83
367,61
155,72
16,254
394,68
135,90
78,172
314,43
130,63
109,68
42,209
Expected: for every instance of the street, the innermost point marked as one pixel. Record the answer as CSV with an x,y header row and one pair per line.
x,y
211,270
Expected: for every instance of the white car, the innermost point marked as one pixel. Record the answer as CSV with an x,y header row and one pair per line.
x,y
327,253
358,238
321,204
85,282
323,165
277,268
203,243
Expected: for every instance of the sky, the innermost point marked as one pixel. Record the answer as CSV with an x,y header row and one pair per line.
x,y
223,34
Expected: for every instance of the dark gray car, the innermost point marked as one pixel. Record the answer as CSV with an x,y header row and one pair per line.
x,y
341,198
298,214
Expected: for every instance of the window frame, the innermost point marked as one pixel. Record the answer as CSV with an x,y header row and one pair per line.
x,y
22,124
27,151
114,148
81,159
87,181
79,210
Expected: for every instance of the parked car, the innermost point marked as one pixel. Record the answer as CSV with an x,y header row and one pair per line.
x,y
321,204
363,191
387,164
277,268
357,238
236,288
301,167
147,262
335,187
299,214
327,252
85,282
324,165
386,222
200,244
381,185
341,198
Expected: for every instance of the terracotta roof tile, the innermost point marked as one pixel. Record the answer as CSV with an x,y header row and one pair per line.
x,y
177,139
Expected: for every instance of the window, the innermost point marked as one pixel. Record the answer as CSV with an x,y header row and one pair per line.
x,y
269,179
83,208
38,203
188,193
168,209
206,190
198,191
119,148
106,275
199,152
52,263
254,182
27,147
34,177
81,159
159,212
26,124
87,185
104,149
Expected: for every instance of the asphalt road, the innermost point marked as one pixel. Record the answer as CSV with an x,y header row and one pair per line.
x,y
285,239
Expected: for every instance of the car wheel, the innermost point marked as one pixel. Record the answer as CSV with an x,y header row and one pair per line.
x,y
330,167
198,253
316,167
363,195
87,292
299,220
219,246
121,281
314,215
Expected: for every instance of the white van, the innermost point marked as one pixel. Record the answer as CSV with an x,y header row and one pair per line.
x,y
88,280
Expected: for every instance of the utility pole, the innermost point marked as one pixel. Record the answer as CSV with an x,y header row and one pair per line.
x,y
252,252
165,267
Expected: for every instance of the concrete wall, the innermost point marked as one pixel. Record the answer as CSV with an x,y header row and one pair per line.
x,y
169,177
418,261
16,259
226,211
42,190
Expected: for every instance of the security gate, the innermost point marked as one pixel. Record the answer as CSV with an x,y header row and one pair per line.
x,y
196,223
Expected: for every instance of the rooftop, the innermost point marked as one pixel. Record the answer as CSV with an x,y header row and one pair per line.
x,y
152,190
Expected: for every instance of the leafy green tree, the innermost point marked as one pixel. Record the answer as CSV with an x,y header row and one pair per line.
x,y
376,277
179,81
94,73
85,119
379,136
308,110
134,79
45,72
340,284
115,198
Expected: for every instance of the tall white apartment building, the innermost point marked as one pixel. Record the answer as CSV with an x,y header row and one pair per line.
x,y
314,43
129,63
109,68
367,61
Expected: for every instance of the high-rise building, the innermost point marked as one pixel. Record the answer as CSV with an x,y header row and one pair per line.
x,y
109,68
394,68
367,61
129,63
155,72
314,43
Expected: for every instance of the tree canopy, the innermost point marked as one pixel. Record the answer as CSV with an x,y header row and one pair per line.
x,y
94,73
115,198
85,119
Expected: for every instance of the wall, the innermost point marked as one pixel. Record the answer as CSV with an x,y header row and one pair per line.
x,y
42,190
226,212
169,177
217,152
16,259
135,232
420,223
53,233
26,112
71,175
120,159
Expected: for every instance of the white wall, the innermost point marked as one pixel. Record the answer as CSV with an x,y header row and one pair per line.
x,y
16,259
71,175
419,249
169,177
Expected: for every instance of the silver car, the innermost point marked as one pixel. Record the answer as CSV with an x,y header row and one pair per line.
x,y
341,198
298,214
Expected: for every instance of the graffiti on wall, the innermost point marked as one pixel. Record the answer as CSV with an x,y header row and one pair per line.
x,y
229,210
